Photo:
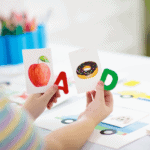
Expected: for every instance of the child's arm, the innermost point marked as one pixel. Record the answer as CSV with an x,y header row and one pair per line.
x,y
73,136
70,137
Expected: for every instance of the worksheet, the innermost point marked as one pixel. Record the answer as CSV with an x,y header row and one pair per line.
x,y
107,130
122,117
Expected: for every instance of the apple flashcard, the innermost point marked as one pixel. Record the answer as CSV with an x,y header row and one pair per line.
x,y
38,70
86,69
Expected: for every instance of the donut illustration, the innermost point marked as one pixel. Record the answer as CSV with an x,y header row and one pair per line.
x,y
68,121
108,132
87,70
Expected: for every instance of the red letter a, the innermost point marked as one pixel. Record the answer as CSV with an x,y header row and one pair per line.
x,y
62,76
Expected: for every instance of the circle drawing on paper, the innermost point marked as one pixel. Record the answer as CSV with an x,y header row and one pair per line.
x,y
68,121
108,132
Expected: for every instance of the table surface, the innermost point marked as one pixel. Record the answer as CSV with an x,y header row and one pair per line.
x,y
136,67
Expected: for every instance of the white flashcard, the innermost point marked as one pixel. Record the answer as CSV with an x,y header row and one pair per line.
x,y
38,70
86,69
122,117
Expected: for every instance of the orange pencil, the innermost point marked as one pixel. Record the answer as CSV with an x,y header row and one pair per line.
x,y
33,24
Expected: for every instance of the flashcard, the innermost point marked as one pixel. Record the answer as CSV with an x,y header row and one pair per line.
x,y
122,117
86,69
38,70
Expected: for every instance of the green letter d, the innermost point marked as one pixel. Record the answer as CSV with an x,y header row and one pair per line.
x,y
114,79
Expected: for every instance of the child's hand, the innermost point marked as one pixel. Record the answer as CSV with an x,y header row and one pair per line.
x,y
36,103
99,104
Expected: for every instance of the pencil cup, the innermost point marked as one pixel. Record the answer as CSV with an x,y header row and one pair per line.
x,y
31,40
41,36
3,54
11,46
15,45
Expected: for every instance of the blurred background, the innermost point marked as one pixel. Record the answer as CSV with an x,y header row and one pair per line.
x,y
112,25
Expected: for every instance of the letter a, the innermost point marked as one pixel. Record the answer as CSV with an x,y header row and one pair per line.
x,y
62,76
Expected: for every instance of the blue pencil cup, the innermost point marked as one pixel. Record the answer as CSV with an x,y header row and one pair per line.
x,y
41,36
11,46
32,40
3,52
14,45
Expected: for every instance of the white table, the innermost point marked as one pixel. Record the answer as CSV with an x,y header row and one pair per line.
x,y
135,67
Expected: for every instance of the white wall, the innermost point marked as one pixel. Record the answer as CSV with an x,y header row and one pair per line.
x,y
113,25
6,6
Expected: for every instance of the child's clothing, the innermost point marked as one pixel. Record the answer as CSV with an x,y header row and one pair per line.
x,y
17,131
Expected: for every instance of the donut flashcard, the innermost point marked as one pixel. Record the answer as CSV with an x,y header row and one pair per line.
x,y
38,70
86,69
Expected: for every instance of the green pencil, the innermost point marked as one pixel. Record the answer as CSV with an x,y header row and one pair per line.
x,y
18,30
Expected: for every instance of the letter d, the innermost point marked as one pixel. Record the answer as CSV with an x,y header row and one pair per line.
x,y
114,79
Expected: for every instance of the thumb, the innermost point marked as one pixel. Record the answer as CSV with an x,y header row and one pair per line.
x,y
49,93
99,91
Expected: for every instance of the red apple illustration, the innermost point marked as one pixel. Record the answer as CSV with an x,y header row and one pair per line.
x,y
39,74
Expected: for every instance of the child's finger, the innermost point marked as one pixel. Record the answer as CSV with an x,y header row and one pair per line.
x,y
55,100
53,97
89,98
93,93
58,94
50,106
49,93
100,92
51,102
108,98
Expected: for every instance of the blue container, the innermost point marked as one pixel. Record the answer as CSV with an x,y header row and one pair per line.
x,y
41,36
32,40
3,51
11,46
15,44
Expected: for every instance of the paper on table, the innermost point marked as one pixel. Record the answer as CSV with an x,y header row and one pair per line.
x,y
122,117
